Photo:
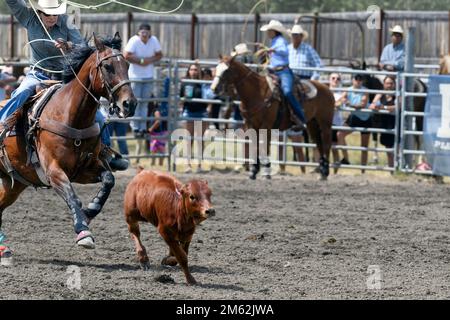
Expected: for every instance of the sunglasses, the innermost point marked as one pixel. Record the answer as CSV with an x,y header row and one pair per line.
x,y
334,78
48,15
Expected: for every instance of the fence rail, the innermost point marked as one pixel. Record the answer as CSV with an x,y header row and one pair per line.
x,y
171,68
204,35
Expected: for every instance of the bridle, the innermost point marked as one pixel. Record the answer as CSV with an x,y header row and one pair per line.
x,y
239,82
105,85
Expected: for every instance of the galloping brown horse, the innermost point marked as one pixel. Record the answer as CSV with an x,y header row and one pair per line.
x,y
260,111
67,141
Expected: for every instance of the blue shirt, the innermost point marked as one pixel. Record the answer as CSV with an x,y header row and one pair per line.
x,y
304,56
207,92
394,56
355,98
280,57
41,50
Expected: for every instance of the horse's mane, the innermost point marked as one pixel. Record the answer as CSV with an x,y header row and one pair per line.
x,y
78,56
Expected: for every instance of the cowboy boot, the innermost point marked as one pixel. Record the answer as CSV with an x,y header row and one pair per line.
x,y
298,124
113,159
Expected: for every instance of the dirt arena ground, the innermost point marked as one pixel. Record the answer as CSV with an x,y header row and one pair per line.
x,y
289,238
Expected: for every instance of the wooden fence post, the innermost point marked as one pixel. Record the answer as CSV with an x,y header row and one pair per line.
x,y
193,39
11,38
381,35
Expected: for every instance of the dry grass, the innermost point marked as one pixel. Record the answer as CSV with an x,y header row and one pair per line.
x,y
352,140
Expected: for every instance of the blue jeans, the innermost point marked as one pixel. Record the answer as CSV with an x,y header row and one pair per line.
x,y
141,91
120,129
105,137
287,82
26,89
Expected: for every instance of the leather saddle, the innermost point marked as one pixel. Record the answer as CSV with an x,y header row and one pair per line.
x,y
303,89
22,122
36,102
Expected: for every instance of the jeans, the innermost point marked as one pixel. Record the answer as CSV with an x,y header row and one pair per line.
x,y
287,82
105,137
120,129
141,91
26,89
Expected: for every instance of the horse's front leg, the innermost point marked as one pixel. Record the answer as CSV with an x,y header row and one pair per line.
x,y
61,183
265,158
254,157
96,205
8,196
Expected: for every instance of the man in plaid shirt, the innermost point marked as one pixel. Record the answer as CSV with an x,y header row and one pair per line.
x,y
303,55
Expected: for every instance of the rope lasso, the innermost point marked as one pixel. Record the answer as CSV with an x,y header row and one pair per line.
x,y
244,28
95,7
63,54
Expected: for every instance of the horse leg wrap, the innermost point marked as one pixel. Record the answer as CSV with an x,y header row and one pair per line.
x,y
2,237
324,167
267,169
96,205
80,221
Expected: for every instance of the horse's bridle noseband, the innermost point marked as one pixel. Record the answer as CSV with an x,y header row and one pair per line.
x,y
111,91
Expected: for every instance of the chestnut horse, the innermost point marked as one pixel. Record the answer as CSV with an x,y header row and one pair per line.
x,y
102,72
261,111
445,65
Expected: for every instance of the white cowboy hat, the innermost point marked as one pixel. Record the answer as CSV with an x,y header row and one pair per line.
x,y
276,26
397,29
297,29
239,49
51,7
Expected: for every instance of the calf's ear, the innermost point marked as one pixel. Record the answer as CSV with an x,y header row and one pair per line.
x,y
185,190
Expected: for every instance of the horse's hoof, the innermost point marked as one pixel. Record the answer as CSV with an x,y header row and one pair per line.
x,y
145,266
268,177
169,261
323,178
86,240
6,257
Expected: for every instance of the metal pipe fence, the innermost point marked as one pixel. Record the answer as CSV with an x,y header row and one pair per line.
x,y
174,119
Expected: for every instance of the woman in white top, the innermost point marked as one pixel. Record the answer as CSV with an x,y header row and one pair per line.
x,y
142,51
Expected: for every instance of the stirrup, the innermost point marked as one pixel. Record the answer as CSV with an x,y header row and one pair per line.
x,y
298,125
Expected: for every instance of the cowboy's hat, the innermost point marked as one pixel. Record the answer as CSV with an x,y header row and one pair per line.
x,y
239,49
51,7
276,26
397,29
297,29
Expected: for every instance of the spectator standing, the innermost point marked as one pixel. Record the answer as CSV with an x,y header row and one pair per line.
x,y
142,51
191,109
386,102
339,98
357,118
158,127
207,94
393,56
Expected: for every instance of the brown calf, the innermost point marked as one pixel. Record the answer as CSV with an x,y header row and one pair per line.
x,y
173,208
